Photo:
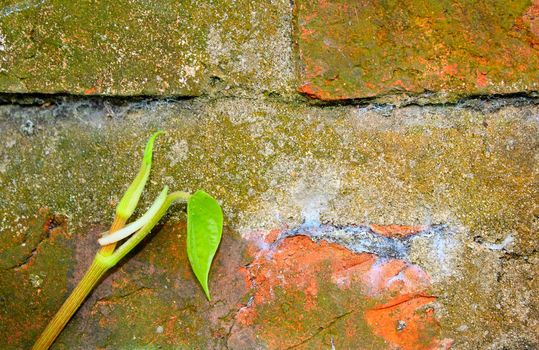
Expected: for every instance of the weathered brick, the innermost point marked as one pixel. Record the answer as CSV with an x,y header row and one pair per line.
x,y
324,295
352,49
144,48
398,176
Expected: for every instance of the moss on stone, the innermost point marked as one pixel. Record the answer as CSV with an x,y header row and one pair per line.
x,y
336,318
270,164
152,48
437,49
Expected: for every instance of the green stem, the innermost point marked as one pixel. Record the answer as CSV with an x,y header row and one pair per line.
x,y
102,262
85,286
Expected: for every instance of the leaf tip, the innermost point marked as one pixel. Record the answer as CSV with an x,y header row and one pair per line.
x,y
207,292
149,146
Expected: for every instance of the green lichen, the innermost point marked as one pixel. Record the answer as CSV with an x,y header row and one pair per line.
x,y
439,49
469,168
153,48
31,290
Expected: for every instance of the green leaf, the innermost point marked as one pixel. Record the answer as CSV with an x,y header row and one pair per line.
x,y
129,201
204,229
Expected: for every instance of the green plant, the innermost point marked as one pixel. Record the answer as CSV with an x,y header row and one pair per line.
x,y
204,229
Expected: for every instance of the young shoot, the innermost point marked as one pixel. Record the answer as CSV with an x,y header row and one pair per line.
x,y
204,230
135,225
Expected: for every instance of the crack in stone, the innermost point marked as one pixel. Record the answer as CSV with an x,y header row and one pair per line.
x,y
321,329
404,300
53,222
26,260
229,333
30,257
362,239
115,298
486,103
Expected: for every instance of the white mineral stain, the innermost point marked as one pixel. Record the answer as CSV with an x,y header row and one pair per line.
x,y
313,192
178,152
503,245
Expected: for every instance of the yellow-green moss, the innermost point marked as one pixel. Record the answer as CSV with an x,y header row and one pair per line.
x,y
267,162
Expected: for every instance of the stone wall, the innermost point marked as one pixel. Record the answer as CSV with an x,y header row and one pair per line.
x,y
376,162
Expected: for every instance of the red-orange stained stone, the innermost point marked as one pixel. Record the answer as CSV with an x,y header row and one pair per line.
x,y
396,231
361,49
418,322
90,91
531,18
297,265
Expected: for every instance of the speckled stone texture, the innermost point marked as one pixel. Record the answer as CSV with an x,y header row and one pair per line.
x,y
376,161
335,216
128,47
441,49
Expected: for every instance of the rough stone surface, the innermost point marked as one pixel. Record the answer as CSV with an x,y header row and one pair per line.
x,y
129,47
300,185
398,213
324,295
423,51
434,50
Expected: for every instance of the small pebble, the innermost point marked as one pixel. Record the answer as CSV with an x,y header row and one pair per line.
x,y
28,128
36,280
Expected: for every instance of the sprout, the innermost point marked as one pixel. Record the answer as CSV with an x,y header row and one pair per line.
x,y
129,201
135,225
204,222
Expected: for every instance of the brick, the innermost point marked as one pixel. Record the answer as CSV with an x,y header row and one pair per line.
x,y
273,165
129,48
297,290
445,50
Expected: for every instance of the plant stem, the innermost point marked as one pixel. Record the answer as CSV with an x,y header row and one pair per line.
x,y
137,237
105,258
81,291
117,224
